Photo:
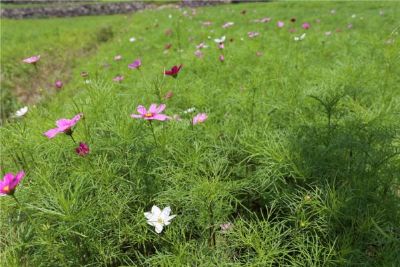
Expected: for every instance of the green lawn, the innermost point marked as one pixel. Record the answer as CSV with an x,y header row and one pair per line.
x,y
300,151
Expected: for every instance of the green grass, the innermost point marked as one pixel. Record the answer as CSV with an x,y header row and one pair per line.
x,y
63,43
300,151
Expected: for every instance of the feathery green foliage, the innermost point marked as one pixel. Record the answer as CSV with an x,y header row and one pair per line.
x,y
300,151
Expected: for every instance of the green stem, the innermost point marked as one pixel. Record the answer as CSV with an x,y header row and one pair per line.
x,y
152,131
252,105
16,200
72,138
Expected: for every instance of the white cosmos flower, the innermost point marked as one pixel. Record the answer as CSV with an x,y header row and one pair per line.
x,y
132,39
300,38
158,218
21,112
190,110
220,40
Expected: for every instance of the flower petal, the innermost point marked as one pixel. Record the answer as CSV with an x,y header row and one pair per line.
x,y
165,212
8,177
155,211
160,117
159,228
153,108
63,123
148,215
52,133
142,110
160,108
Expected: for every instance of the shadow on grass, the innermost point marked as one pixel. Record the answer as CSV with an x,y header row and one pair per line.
x,y
358,158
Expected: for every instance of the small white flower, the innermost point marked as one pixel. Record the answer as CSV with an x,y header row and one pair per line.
x,y
300,38
88,81
220,40
132,39
158,218
189,110
170,16
21,112
353,16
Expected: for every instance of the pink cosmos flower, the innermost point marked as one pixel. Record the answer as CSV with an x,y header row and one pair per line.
x,y
199,118
253,34
280,24
153,113
10,182
82,150
221,58
221,45
228,24
135,64
58,84
306,25
173,71
117,57
32,60
63,126
118,78
198,53
201,46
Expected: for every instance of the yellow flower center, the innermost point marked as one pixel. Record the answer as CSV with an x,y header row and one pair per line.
x,y
160,220
148,115
6,189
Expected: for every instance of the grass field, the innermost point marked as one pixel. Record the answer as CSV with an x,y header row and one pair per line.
x,y
297,163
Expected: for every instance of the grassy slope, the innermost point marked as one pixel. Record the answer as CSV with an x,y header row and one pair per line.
x,y
306,181
62,43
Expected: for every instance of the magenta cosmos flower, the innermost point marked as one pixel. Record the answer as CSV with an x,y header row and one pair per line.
x,y
173,71
82,149
118,78
135,64
306,25
58,84
10,182
199,118
153,113
32,60
63,126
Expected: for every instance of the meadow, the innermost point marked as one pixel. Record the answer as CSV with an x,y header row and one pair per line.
x,y
294,160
